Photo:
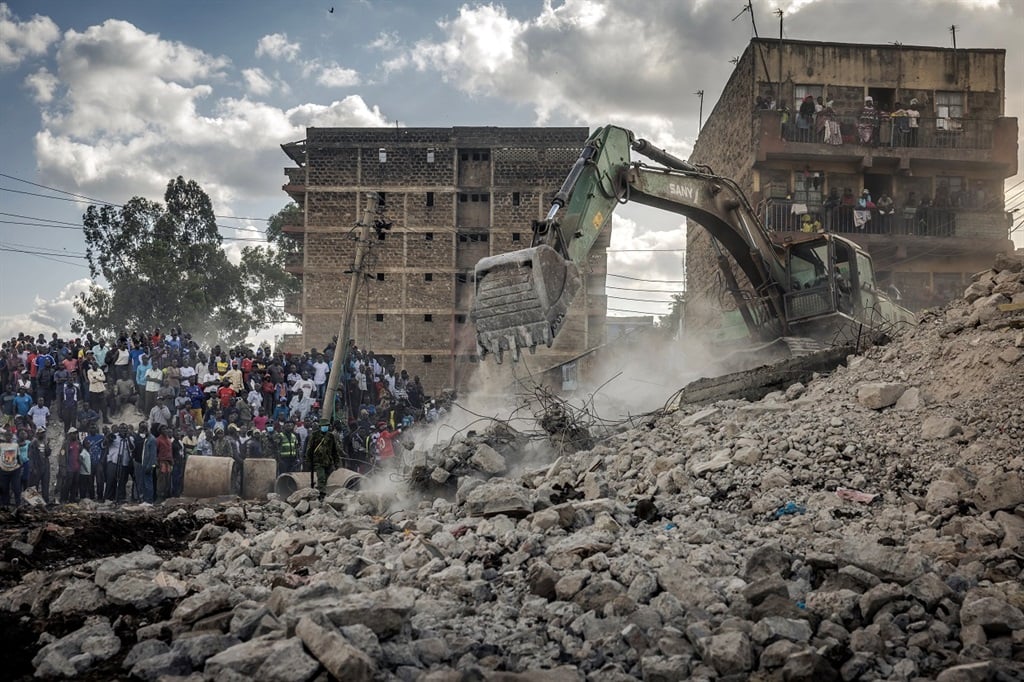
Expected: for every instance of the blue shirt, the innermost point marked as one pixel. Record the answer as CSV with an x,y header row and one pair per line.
x,y
22,404
140,373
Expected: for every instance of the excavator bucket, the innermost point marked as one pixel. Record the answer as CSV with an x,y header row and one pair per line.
x,y
521,299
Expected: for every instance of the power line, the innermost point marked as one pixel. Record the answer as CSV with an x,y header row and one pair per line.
x,y
45,220
635,312
640,279
48,256
638,300
644,250
646,291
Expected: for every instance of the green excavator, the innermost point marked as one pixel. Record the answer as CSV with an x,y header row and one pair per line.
x,y
807,290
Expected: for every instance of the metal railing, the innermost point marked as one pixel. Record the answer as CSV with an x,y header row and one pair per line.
x,y
931,133
923,222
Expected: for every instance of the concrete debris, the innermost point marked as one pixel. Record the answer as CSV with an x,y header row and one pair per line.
x,y
663,552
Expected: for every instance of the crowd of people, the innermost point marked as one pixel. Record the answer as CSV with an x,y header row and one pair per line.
x,y
134,410
815,120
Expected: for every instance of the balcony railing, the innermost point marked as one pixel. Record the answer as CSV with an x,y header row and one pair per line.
x,y
931,133
921,221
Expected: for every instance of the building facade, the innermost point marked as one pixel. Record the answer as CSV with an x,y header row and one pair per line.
x,y
452,197
945,174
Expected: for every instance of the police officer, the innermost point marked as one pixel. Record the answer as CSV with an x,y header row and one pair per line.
x,y
323,454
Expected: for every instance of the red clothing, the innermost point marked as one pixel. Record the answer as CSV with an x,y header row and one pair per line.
x,y
226,395
32,364
164,452
385,447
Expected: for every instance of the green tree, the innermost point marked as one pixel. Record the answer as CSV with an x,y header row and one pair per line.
x,y
165,265
669,324
291,214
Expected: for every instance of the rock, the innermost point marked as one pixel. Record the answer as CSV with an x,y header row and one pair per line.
x,y
340,658
597,593
147,648
160,666
977,290
197,647
78,596
776,653
969,672
542,580
211,600
894,564
877,597
1013,531
747,456
773,628
1010,355
487,460
140,593
65,657
242,659
776,477
757,591
729,653
287,662
718,461
767,561
937,428
499,497
876,396
115,567
384,611
910,400
929,589
999,491
994,615
808,666
704,416
941,494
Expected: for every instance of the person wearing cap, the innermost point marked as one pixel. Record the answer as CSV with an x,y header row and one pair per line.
x,y
324,456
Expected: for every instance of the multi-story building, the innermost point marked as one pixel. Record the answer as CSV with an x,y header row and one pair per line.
x,y
452,196
945,174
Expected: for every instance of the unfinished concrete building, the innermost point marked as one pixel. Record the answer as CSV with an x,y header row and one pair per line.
x,y
945,176
453,196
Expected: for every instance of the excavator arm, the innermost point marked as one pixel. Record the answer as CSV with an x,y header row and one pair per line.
x,y
522,297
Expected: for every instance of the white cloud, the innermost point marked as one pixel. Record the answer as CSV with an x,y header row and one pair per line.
x,y
334,76
257,82
47,315
276,45
167,119
636,250
385,40
42,83
20,40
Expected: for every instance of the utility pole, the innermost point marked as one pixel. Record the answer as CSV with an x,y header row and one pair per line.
x,y
700,111
956,58
341,347
778,99
749,8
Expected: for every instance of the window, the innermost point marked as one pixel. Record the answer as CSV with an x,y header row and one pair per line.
x,y
380,276
515,237
474,237
381,199
381,236
379,317
515,198
428,236
460,319
428,277
382,155
430,198
427,359
801,91
479,155
808,189
428,318
949,105
465,197
430,156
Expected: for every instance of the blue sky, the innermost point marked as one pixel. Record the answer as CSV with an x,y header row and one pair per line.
x,y
112,99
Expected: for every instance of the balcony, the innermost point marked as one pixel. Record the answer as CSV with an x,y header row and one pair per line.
x,y
293,304
946,231
962,141
293,263
294,231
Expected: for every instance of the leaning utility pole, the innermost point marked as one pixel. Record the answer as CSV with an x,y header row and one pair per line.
x,y
341,347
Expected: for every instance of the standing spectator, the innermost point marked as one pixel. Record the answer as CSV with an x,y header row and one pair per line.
x,y
138,455
118,464
141,368
40,414
22,402
164,462
160,414
39,461
867,123
154,382
93,451
68,402
10,472
324,455
913,119
122,362
149,465
97,390
321,370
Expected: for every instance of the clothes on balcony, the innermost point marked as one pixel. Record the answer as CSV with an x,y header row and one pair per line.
x,y
798,209
861,218
833,134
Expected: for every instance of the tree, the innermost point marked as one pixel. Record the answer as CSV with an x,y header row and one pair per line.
x,y
670,324
165,265
291,214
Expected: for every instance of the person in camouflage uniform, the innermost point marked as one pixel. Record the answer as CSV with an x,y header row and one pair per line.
x,y
323,454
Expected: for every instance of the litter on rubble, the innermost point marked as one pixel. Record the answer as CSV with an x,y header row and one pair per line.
x,y
789,509
851,495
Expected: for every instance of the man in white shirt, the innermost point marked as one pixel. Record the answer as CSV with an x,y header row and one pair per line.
x,y
320,371
39,414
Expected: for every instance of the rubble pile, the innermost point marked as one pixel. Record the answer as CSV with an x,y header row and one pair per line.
x,y
866,525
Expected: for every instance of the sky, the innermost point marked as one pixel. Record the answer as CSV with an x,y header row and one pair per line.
x,y
111,99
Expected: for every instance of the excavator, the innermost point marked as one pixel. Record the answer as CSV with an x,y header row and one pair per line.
x,y
807,290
